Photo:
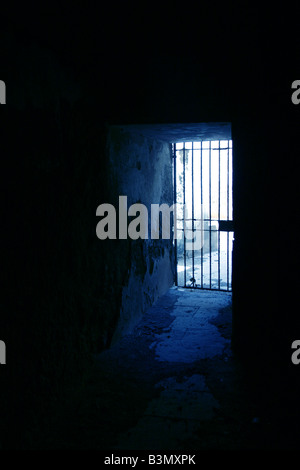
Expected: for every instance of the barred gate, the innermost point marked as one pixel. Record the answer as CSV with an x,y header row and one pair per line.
x,y
204,232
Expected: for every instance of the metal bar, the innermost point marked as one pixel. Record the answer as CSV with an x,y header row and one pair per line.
x,y
219,187
227,260
202,224
228,183
193,245
184,227
223,148
228,216
209,214
190,218
207,288
222,222
175,214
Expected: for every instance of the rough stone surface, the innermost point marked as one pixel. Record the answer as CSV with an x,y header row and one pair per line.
x,y
141,169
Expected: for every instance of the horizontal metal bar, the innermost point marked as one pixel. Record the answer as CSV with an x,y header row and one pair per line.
x,y
204,220
213,148
206,288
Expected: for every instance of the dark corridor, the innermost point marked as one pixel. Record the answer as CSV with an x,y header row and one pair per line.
x,y
94,97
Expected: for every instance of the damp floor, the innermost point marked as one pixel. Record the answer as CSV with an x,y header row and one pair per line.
x,y
175,384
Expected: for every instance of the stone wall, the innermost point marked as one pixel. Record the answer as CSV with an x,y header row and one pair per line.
x,y
141,169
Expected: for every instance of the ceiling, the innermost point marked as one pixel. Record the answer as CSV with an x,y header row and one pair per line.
x,y
181,132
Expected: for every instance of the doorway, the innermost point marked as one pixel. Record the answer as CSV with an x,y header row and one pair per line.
x,y
203,224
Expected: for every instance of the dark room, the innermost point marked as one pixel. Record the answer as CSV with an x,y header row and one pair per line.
x,y
149,212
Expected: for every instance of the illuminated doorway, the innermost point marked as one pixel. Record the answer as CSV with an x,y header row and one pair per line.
x,y
204,217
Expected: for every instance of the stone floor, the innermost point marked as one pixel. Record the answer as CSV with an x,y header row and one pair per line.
x,y
174,384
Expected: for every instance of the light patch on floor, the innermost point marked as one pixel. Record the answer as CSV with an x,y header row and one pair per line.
x,y
191,336
185,402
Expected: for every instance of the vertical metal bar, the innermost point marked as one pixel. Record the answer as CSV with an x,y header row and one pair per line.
x,y
219,186
228,181
184,224
175,213
202,221
210,214
227,260
193,244
231,210
228,214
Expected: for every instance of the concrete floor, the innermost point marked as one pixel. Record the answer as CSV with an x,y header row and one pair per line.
x,y
173,384
184,401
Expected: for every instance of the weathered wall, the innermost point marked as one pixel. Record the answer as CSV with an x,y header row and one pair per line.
x,y
141,169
